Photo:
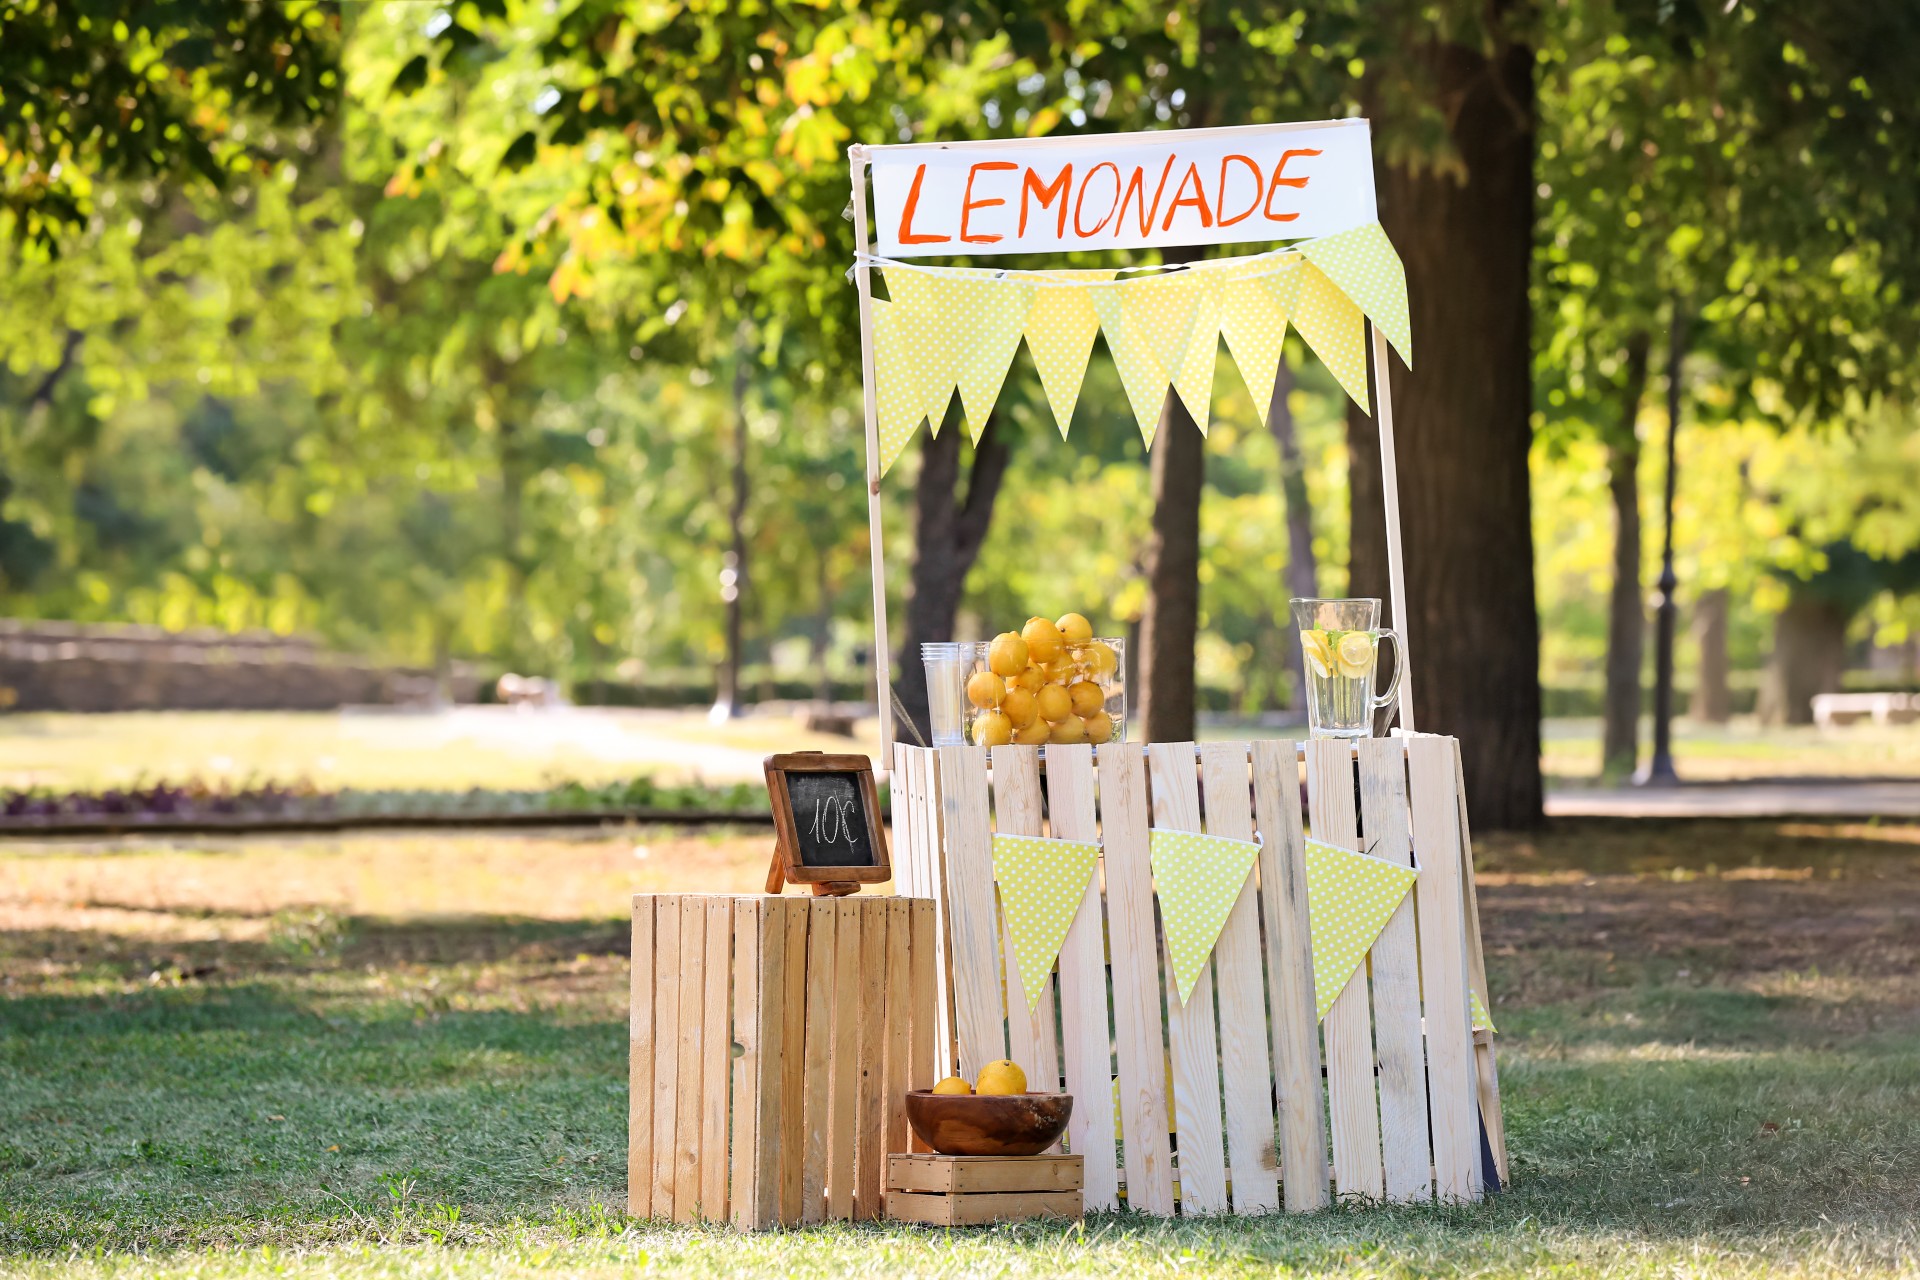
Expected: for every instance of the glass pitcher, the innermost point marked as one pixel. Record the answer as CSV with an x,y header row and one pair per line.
x,y
1340,641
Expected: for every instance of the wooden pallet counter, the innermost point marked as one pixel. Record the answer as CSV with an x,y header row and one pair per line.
x,y
773,1041
1406,1079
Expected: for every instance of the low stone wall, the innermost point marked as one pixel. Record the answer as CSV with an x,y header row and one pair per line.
x,y
58,666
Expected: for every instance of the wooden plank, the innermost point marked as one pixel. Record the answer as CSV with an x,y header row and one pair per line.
x,y
979,1020
1246,1069
741,1203
967,1175
924,795
922,999
906,863
1139,1035
1086,1048
1348,1026
1031,1039
1296,1031
869,1161
899,1024
769,1084
716,1040
983,1209
640,1064
843,1066
822,914
793,1064
1451,1078
1484,1061
1195,1043
666,1047
1407,1160
693,990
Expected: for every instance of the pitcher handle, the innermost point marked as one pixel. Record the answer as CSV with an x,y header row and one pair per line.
x,y
1399,665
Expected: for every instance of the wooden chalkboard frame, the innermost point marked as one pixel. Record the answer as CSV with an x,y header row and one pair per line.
x,y
787,866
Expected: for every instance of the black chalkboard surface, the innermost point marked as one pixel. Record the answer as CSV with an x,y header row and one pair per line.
x,y
826,813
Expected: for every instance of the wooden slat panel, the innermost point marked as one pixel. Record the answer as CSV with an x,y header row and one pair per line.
x,y
1085,1049
693,990
666,1047
925,796
1246,1071
1406,1159
905,850
770,1018
922,1069
1484,1062
1031,1040
869,1162
1296,1031
640,1064
793,1064
1194,1040
716,1040
1451,1082
742,1204
843,1066
1138,1030
1351,1095
899,1025
822,915
979,1015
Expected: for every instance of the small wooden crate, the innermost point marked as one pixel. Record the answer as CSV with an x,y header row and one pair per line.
x,y
972,1191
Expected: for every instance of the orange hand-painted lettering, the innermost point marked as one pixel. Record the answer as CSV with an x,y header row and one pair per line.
x,y
1181,200
1030,185
968,204
1279,181
907,234
1221,199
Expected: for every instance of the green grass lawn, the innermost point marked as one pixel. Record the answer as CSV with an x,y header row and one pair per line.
x,y
381,1057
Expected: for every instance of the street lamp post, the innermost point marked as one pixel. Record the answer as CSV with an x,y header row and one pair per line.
x,y
1659,771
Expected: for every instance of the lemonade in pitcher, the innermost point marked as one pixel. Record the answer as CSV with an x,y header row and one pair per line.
x,y
1340,642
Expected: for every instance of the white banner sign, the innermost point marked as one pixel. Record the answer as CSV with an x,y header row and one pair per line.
x,y
1123,191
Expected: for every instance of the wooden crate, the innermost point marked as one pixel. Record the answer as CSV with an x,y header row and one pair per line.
x,y
773,1042
971,1191
1406,1080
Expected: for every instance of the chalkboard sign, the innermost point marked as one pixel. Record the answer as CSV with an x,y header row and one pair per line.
x,y
826,814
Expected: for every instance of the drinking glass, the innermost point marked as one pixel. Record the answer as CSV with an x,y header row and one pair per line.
x,y
948,665
1340,641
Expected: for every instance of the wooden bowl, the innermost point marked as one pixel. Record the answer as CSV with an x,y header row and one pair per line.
x,y
969,1124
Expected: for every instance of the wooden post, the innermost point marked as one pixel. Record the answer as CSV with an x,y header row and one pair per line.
x,y
1390,495
863,280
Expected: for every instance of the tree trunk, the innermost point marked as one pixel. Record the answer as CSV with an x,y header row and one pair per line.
x,y
1712,699
1302,572
1366,512
1171,621
1809,657
1626,607
1465,233
733,569
948,532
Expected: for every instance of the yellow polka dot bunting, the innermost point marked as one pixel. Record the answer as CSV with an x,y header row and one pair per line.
x,y
1042,884
1481,1018
1255,328
1334,328
1178,317
898,397
994,316
1198,879
1350,898
1144,381
1361,261
1061,324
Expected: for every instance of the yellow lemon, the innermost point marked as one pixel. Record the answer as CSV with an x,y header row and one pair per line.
x,y
1031,679
1069,731
992,729
1020,706
1044,642
1033,735
1100,658
1007,655
985,689
953,1084
1087,697
1099,728
1074,628
1319,658
1001,1077
1354,654
1055,702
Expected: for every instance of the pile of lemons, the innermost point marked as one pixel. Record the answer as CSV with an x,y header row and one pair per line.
x,y
996,1078
1045,683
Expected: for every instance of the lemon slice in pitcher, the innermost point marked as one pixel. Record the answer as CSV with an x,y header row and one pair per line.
x,y
1354,654
1319,657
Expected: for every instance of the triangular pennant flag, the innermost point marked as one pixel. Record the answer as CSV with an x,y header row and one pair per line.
x,y
1362,263
1334,328
1178,317
1256,332
926,319
1042,883
989,324
1140,373
1061,324
1481,1018
1193,376
1350,898
897,394
1198,879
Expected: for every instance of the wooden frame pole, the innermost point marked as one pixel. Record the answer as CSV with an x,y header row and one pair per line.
x,y
1390,495
863,280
